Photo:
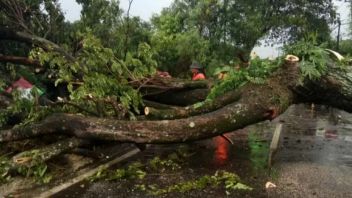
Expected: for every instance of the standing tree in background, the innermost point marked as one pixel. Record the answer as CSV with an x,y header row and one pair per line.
x,y
102,17
40,17
107,22
232,28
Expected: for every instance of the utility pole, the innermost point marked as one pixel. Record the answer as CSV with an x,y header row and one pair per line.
x,y
338,34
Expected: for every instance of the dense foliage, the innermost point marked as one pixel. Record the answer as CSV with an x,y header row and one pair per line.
x,y
111,49
313,58
101,75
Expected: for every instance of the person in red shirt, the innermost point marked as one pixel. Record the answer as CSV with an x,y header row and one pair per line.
x,y
197,71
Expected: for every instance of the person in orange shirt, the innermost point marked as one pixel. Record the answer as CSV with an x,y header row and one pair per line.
x,y
197,71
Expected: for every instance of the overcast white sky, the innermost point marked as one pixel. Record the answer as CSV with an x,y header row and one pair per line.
x,y
146,8
142,8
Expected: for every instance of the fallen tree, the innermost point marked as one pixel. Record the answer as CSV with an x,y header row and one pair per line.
x,y
257,102
249,104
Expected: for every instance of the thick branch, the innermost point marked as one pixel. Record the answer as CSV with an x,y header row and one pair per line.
x,y
8,34
183,112
19,60
37,156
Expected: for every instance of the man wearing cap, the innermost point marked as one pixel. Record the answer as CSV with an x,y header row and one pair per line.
x,y
197,71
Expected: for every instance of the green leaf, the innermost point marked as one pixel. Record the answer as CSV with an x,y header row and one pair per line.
x,y
240,186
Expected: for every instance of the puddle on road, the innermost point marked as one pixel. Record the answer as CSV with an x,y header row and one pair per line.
x,y
314,139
